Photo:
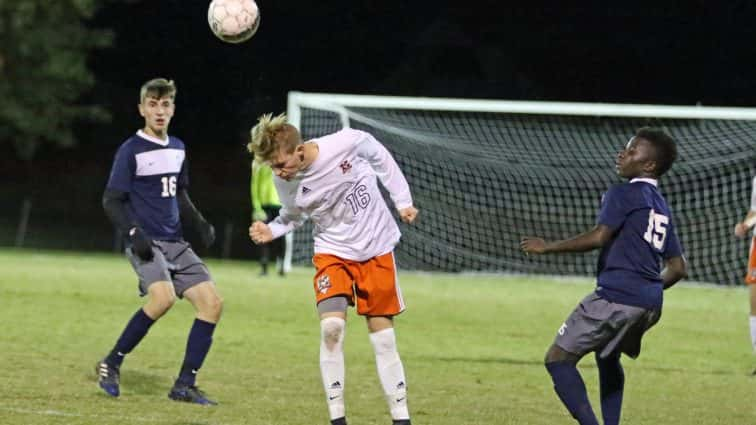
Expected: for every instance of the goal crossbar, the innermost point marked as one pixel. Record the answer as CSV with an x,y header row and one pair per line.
x,y
338,102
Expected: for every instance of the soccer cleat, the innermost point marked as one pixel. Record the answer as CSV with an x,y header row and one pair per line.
x,y
401,422
339,421
108,377
190,394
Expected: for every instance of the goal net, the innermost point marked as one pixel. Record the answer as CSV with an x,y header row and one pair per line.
x,y
485,173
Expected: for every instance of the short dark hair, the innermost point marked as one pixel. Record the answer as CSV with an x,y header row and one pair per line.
x,y
158,87
664,145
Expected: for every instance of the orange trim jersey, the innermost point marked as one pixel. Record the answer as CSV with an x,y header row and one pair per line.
x,y
339,192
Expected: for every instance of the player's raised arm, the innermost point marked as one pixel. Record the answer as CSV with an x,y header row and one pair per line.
x,y
742,227
389,174
592,239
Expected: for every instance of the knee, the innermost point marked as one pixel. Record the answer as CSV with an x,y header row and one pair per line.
x,y
556,354
549,356
161,304
216,305
332,331
213,307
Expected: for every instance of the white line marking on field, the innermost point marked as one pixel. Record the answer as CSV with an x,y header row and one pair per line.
x,y
50,412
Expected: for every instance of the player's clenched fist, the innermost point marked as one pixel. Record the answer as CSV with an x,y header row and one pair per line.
x,y
741,229
259,232
408,214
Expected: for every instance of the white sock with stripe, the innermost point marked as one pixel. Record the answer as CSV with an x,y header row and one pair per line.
x,y
753,333
390,372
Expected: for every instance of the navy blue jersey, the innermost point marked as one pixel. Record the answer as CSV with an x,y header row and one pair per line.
x,y
152,171
629,265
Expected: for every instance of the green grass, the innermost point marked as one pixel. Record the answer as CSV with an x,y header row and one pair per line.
x,y
472,346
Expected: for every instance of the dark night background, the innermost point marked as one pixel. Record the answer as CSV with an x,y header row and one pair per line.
x,y
662,52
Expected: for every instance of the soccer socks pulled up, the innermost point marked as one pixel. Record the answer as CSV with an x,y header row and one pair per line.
x,y
135,330
570,388
612,384
332,364
753,332
197,346
390,372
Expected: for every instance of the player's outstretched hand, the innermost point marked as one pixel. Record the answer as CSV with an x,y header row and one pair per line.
x,y
260,232
531,245
408,214
141,244
207,234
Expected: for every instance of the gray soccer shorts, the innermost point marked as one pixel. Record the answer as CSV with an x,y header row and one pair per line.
x,y
172,261
605,327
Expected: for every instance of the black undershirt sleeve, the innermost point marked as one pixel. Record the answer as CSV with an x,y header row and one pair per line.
x,y
188,212
114,203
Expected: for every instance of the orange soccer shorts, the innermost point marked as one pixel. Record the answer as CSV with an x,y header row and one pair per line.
x,y
750,278
373,283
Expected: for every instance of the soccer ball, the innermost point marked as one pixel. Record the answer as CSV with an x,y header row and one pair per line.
x,y
233,21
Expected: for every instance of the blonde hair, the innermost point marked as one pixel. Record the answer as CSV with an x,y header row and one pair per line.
x,y
158,87
271,134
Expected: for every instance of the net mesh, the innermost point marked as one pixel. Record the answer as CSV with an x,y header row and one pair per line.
x,y
483,180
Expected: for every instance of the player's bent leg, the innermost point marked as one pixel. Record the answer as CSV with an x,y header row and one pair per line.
x,y
206,301
569,385
160,298
332,364
752,289
752,318
389,367
209,307
332,326
611,387
109,369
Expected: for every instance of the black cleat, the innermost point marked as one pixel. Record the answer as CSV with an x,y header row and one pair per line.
x,y
339,421
401,422
108,377
190,394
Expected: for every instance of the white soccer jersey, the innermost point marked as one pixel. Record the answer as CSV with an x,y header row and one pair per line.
x,y
339,192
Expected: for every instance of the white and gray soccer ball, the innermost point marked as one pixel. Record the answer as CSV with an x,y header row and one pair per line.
x,y
233,21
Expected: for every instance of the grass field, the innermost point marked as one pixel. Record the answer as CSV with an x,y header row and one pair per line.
x,y
472,346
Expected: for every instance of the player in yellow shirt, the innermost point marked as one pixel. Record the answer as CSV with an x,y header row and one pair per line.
x,y
265,207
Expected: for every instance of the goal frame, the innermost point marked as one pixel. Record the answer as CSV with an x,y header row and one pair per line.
x,y
338,103
346,108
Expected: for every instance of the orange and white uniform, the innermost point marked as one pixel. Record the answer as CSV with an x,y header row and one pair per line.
x,y
751,276
353,229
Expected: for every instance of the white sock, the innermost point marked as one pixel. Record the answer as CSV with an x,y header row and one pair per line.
x,y
753,332
332,364
390,372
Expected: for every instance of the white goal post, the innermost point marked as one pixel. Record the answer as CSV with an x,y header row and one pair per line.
x,y
484,172
339,102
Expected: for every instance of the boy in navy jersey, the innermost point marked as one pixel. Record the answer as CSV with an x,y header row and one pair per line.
x,y
636,233
146,198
